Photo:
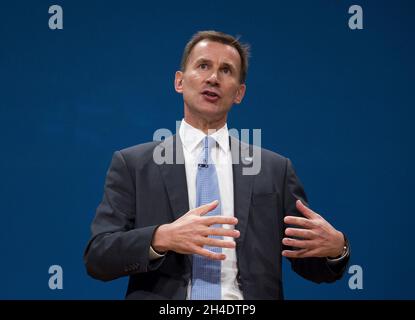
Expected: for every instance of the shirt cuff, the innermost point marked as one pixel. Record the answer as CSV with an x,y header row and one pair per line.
x,y
153,255
345,253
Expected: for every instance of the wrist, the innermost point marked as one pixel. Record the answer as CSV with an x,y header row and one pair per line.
x,y
160,239
341,251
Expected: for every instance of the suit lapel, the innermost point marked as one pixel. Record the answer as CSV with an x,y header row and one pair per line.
x,y
174,176
242,188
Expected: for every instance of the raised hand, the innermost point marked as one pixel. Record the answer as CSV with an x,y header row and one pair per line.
x,y
189,233
318,237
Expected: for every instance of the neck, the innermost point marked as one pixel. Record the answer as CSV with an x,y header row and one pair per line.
x,y
204,123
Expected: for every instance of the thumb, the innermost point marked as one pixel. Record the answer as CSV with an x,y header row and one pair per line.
x,y
202,210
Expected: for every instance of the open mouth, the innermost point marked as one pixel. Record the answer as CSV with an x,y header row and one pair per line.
x,y
210,93
210,96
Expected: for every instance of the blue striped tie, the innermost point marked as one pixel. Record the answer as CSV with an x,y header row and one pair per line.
x,y
206,273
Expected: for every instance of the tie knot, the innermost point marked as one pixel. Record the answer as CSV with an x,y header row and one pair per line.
x,y
209,143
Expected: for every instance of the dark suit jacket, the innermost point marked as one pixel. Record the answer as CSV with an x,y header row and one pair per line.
x,y
140,195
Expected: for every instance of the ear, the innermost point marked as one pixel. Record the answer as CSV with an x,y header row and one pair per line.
x,y
240,93
178,82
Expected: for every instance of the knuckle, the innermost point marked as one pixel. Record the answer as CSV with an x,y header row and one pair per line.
x,y
198,241
318,223
212,232
194,249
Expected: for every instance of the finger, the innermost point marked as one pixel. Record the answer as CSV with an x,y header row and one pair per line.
x,y
209,254
307,212
211,242
301,233
294,253
299,221
222,232
202,210
304,253
302,244
219,220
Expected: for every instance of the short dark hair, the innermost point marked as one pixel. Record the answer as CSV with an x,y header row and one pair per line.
x,y
216,36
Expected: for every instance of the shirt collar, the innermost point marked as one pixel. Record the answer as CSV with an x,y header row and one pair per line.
x,y
191,137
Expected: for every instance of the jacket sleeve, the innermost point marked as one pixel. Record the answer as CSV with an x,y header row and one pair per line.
x,y
116,247
314,269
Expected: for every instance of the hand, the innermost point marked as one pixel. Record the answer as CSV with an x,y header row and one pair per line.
x,y
319,238
189,233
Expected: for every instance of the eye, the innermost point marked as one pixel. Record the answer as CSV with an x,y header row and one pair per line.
x,y
226,70
203,66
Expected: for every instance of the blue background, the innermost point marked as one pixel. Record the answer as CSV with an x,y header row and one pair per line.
x,y
338,102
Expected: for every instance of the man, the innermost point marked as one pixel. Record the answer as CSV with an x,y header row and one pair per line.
x,y
204,229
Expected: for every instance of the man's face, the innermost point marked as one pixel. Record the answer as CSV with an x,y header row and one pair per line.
x,y
210,83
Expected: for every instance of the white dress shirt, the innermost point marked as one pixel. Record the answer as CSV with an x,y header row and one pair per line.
x,y
192,140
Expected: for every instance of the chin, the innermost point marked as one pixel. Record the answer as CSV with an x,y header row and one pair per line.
x,y
210,110
213,110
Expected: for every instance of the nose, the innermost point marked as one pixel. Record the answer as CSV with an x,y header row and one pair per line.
x,y
212,79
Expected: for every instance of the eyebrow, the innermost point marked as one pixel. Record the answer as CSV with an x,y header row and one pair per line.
x,y
202,60
229,65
